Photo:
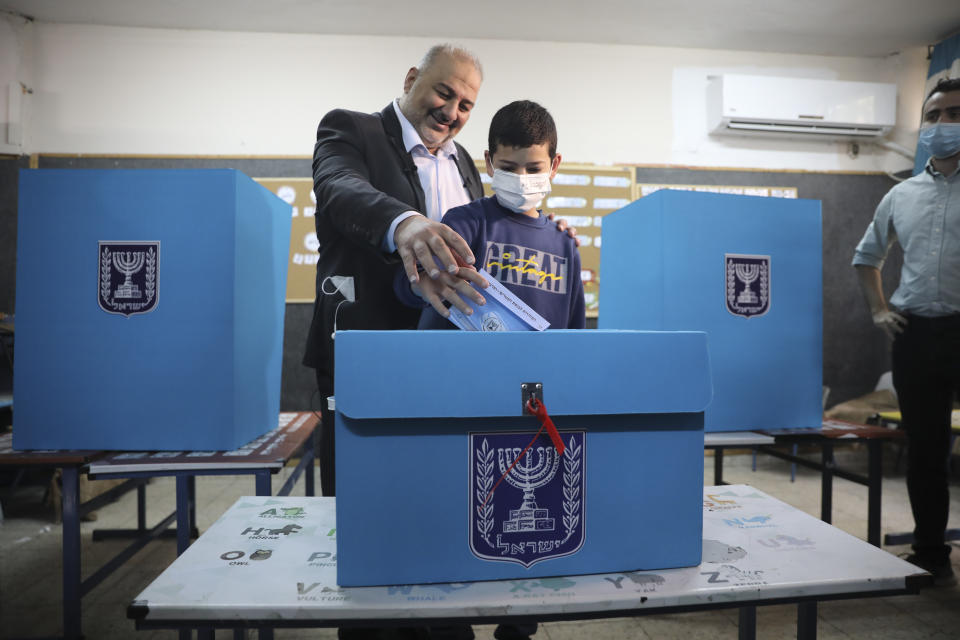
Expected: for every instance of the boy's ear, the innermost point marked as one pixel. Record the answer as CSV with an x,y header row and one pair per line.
x,y
489,162
554,166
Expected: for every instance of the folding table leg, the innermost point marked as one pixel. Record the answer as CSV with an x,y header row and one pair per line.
x,y
71,552
183,513
314,445
718,466
264,487
874,489
748,624
826,482
793,465
807,620
192,490
141,507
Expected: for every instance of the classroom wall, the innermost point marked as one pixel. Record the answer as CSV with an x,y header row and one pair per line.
x,y
160,91
16,51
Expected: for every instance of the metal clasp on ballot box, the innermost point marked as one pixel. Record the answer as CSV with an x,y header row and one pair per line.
x,y
530,390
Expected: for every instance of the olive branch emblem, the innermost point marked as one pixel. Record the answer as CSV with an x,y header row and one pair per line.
x,y
105,261
571,488
484,485
764,284
151,274
731,282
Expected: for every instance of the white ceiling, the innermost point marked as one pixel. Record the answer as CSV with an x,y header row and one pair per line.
x,y
828,27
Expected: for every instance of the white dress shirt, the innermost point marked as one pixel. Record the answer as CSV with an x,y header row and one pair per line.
x,y
440,178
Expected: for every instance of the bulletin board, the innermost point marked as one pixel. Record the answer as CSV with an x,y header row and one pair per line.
x,y
302,268
646,188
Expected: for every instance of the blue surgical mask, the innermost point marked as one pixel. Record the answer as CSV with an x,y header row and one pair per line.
x,y
942,140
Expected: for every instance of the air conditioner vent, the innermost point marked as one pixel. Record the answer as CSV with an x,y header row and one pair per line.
x,y
800,107
806,129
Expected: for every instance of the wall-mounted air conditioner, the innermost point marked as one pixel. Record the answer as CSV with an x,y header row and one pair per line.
x,y
800,107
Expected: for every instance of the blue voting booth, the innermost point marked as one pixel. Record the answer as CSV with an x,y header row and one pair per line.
x,y
150,309
746,270
432,485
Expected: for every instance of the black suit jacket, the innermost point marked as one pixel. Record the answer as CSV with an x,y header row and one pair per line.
x,y
363,178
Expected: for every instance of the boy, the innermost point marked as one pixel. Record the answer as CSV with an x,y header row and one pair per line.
x,y
516,243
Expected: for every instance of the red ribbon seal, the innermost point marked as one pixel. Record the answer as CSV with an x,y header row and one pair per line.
x,y
538,409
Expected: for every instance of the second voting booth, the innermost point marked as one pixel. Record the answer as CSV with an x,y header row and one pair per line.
x,y
432,481
744,269
150,307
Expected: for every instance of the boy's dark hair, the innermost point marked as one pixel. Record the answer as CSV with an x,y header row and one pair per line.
x,y
522,124
946,85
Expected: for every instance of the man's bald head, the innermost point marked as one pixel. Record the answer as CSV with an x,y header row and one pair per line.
x,y
438,51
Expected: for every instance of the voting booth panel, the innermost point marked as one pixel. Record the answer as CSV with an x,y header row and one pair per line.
x,y
433,484
745,270
150,309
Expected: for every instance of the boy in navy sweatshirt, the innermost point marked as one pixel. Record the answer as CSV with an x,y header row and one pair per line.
x,y
512,239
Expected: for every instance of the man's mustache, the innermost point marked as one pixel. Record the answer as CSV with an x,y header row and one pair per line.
x,y
440,116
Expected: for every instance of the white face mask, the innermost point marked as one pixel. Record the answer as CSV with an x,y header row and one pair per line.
x,y
520,193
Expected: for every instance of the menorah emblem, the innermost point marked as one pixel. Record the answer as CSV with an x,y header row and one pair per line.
x,y
747,283
747,274
511,468
137,264
527,475
128,263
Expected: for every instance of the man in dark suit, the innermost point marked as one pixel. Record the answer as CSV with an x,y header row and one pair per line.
x,y
382,182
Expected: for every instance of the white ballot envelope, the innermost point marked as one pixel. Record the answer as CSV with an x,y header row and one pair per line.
x,y
503,311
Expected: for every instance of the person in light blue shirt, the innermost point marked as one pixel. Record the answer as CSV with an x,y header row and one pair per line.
x,y
922,318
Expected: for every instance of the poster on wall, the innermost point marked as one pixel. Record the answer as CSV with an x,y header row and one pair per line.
x,y
302,270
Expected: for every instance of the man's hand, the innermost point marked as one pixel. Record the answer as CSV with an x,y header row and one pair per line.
x,y
422,240
563,226
453,288
891,322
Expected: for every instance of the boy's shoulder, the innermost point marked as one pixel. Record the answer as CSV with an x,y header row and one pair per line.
x,y
479,208
569,243
483,213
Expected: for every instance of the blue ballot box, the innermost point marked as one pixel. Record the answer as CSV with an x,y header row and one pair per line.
x,y
432,481
747,270
150,309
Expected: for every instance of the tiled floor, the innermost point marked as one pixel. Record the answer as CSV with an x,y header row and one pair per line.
x,y
30,583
